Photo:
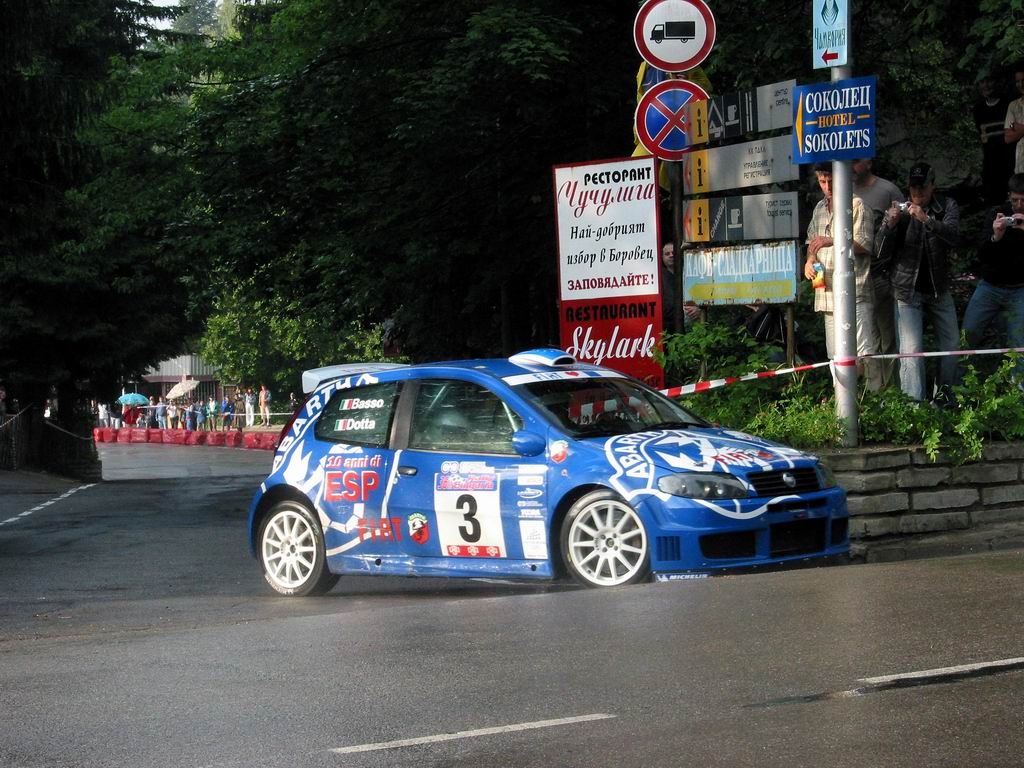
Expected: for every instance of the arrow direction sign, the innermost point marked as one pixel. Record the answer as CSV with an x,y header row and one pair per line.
x,y
831,33
752,163
736,218
835,120
741,274
765,108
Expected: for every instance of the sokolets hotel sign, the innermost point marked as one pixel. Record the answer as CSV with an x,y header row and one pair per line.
x,y
608,264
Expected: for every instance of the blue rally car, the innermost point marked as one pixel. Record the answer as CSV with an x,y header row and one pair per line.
x,y
526,467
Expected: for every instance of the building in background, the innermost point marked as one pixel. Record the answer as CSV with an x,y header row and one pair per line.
x,y
189,374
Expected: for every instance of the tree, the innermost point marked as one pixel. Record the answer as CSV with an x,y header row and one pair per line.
x,y
198,17
53,74
226,18
430,207
332,165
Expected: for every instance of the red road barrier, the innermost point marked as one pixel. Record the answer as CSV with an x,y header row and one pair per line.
x,y
266,441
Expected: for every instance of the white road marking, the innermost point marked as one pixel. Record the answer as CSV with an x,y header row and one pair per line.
x,y
45,504
964,668
469,734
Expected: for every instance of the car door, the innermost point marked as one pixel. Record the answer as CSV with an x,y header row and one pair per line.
x,y
469,503
354,460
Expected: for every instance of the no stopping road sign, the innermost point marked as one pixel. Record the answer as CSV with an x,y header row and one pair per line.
x,y
661,118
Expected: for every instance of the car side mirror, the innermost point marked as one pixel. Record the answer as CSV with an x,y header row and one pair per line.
x,y
527,443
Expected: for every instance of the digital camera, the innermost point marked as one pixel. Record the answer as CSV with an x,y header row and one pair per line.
x,y
903,206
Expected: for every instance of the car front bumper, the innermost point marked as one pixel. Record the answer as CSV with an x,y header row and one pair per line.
x,y
685,537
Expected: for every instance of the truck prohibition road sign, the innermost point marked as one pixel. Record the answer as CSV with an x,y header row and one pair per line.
x,y
661,118
674,35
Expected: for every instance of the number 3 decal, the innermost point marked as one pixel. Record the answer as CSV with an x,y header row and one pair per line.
x,y
467,505
468,515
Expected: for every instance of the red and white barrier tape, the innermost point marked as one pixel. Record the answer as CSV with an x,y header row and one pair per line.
x,y
702,386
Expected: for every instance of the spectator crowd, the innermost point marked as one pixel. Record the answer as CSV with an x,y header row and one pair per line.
x,y
195,414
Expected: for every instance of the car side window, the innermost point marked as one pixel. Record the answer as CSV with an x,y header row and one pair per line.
x,y
462,417
359,416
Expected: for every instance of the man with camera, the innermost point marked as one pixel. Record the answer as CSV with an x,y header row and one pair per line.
x,y
1001,265
917,237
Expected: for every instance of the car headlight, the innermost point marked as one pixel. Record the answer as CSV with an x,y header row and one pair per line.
x,y
826,478
703,485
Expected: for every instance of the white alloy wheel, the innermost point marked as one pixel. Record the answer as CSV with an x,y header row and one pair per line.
x,y
604,543
291,552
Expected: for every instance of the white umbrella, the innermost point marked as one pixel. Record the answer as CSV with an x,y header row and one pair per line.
x,y
182,388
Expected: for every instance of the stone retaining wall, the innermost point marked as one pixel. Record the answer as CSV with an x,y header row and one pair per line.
x,y
900,493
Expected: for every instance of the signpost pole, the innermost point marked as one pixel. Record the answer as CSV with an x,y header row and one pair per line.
x,y
844,291
675,179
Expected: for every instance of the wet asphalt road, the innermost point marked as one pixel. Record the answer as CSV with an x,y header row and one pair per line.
x,y
135,630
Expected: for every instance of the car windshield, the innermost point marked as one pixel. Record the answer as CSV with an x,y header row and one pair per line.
x,y
609,406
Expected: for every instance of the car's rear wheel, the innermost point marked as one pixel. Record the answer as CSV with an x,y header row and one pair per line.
x,y
291,551
604,542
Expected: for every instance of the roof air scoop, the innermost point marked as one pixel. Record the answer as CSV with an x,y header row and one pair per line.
x,y
551,357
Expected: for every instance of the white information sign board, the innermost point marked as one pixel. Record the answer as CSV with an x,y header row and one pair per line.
x,y
607,216
831,33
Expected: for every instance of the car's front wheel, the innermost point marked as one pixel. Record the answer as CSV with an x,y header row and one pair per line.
x,y
604,542
291,550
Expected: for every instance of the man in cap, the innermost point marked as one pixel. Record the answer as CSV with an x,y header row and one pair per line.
x,y
917,238
820,250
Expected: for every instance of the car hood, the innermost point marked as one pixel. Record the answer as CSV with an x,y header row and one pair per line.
x,y
643,454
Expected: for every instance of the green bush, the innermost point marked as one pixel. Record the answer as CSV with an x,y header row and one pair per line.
x,y
797,410
987,406
892,417
799,419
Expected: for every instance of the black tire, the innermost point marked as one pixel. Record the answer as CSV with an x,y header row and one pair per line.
x,y
290,548
604,541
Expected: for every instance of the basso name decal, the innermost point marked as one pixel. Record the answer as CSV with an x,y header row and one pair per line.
x,y
353,403
313,406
